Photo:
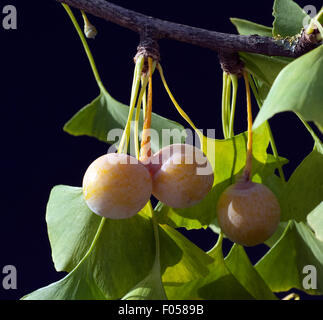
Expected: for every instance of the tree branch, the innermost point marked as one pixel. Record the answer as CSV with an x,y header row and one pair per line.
x,y
159,29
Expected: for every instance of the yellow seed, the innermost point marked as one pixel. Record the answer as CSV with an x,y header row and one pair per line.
x,y
182,175
116,186
248,213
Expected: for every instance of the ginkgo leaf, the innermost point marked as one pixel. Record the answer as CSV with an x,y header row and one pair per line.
x,y
218,284
104,116
248,28
283,266
304,189
297,88
113,265
240,266
289,17
151,288
315,221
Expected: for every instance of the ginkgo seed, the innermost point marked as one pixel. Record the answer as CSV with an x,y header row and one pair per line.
x,y
248,213
116,186
182,175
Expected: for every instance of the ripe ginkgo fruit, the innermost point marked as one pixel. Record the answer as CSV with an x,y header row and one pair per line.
x,y
248,213
182,175
116,186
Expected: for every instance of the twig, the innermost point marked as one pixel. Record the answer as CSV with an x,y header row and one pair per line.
x,y
159,29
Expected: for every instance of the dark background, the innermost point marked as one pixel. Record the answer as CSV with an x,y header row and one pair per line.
x,y
46,79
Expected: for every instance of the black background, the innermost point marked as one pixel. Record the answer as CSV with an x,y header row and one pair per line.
x,y
46,79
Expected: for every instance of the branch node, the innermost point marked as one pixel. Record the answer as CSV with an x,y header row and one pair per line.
x,y
306,42
148,47
231,63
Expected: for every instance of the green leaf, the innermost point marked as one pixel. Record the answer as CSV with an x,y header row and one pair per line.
x,y
105,113
248,28
77,285
304,190
262,90
289,17
150,288
315,221
181,260
297,88
219,284
112,268
264,68
240,266
282,266
277,235
70,221
228,158
72,227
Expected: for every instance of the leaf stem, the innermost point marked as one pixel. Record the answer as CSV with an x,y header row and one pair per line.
x,y
85,46
144,103
177,106
248,168
134,93
228,106
310,28
144,82
234,80
224,109
271,136
145,151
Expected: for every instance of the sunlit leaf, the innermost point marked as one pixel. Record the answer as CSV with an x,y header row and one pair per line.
x,y
151,288
297,88
304,190
240,266
219,284
282,267
181,260
278,233
315,221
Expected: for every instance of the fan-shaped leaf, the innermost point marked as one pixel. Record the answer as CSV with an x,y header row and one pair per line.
x,y
289,17
105,113
304,190
248,28
297,88
218,284
112,268
315,221
282,267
